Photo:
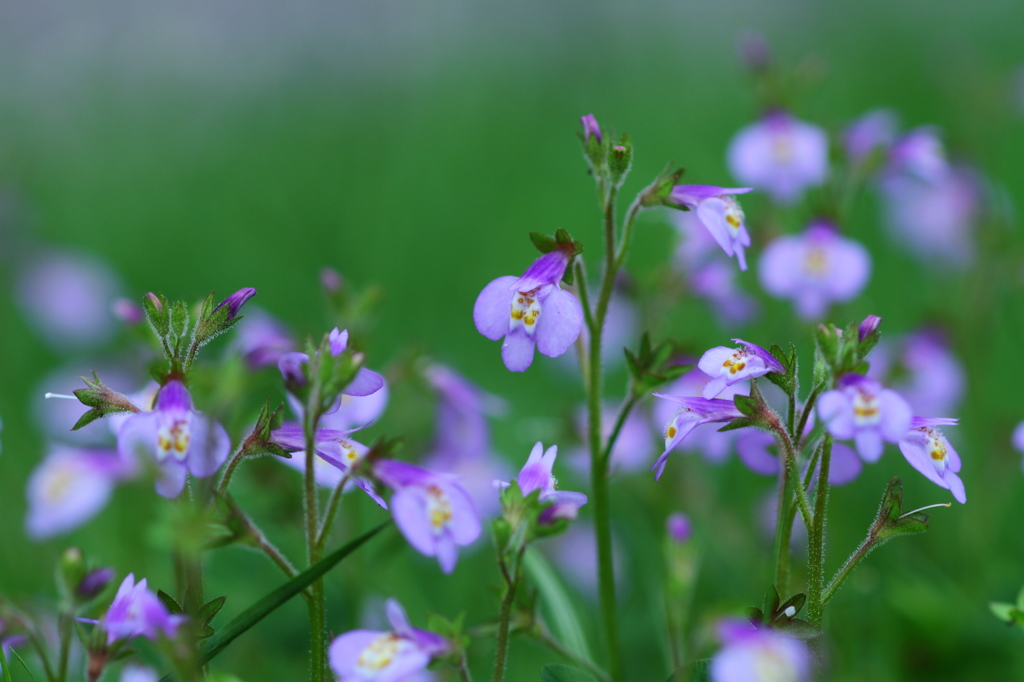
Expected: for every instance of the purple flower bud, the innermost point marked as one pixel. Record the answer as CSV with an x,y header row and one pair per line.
x,y
94,582
590,128
679,527
815,269
754,654
129,312
235,301
863,411
929,452
330,280
780,155
726,366
155,300
719,212
868,326
136,611
530,311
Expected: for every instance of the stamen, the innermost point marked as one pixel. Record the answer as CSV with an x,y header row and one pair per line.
x,y
930,506
62,396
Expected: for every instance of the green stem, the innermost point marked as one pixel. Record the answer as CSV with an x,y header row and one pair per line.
x,y
789,453
332,509
806,412
464,673
65,626
627,233
501,653
317,608
3,665
783,531
624,411
265,545
816,540
236,459
791,417
844,572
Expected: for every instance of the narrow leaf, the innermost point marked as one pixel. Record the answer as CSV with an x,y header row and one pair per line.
x,y
558,672
564,619
210,609
168,602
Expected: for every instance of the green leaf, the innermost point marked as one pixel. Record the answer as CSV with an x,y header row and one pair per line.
x,y
559,672
3,664
771,601
87,418
739,423
210,609
543,242
169,603
697,671
1020,599
565,621
272,601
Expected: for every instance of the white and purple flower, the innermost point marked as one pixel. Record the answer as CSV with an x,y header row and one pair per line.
x,y
434,513
863,411
394,656
929,452
720,213
176,437
692,413
137,612
536,475
780,155
530,311
726,366
815,268
705,438
752,654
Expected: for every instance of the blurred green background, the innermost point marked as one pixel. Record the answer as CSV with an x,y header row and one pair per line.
x,y
196,146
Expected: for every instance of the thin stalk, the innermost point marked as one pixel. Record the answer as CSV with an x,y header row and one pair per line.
x,y
580,275
783,531
37,644
65,626
791,417
627,232
3,665
332,509
816,540
792,473
501,653
464,673
806,412
624,411
266,546
317,607
236,459
862,551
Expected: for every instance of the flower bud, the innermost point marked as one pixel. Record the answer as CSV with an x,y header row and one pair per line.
x,y
868,326
155,300
70,570
94,582
590,128
235,301
620,160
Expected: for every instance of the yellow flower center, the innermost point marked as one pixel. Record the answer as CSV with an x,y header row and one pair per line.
x,y
173,438
379,653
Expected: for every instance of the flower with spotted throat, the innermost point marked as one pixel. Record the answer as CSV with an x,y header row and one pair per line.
x,y
719,212
726,366
175,436
692,413
860,409
929,452
530,311
434,513
376,656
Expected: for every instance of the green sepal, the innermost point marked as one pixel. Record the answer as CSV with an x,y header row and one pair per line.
x,y
755,616
658,192
179,320
738,423
561,241
747,405
157,316
71,569
772,600
797,628
172,606
102,399
620,160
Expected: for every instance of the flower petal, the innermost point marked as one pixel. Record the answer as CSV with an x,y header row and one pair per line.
x,y
869,444
365,383
409,509
517,351
845,465
208,447
170,477
560,323
493,307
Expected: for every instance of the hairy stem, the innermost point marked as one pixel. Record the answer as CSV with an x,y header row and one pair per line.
x,y
844,572
236,459
816,540
332,509
504,619
783,531
317,607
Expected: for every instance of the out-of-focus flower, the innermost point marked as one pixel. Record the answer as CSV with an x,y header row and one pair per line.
x,y
621,330
375,656
726,366
632,448
575,553
330,280
814,269
752,447
934,219
679,527
462,441
720,213
261,339
94,582
692,412
136,673
128,311
716,283
753,51
536,474
874,130
863,411
1018,440
68,488
924,371
530,311
929,452
705,438
364,383
754,654
434,513
176,437
66,298
138,612
780,155
920,154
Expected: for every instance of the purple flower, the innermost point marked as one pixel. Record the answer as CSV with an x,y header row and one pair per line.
x,y
919,154
176,437
135,673
874,130
929,452
68,488
753,51
462,441
1018,440
926,373
861,410
726,366
754,654
375,656
536,475
590,128
815,269
679,527
868,326
261,339
337,455
705,438
66,298
720,213
752,447
235,301
435,514
365,382
128,311
692,413
94,582
934,219
136,612
780,155
716,283
529,311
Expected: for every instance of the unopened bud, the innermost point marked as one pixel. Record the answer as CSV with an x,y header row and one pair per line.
x,y
235,301
155,300
94,582
868,326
